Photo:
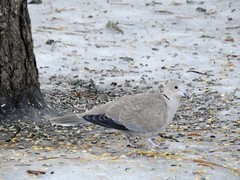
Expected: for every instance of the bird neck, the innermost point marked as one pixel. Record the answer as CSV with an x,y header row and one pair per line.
x,y
172,102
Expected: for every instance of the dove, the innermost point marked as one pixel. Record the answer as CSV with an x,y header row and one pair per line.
x,y
143,115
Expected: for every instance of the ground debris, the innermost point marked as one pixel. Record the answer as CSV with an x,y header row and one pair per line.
x,y
114,26
35,172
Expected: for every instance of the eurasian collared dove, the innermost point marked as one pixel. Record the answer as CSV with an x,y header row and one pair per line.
x,y
145,114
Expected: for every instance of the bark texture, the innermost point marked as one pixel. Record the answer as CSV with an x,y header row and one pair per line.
x,y
19,87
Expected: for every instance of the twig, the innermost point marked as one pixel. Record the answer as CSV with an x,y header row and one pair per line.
x,y
47,158
200,72
207,36
168,137
18,128
146,29
35,172
234,27
163,12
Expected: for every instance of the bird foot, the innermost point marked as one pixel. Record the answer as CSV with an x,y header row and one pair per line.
x,y
158,144
130,143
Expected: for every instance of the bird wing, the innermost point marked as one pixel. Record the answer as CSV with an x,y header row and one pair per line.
x,y
103,120
140,113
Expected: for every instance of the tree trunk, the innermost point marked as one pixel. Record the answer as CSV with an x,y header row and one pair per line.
x,y
20,94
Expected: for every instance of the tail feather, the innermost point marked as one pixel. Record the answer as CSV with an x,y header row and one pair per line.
x,y
68,120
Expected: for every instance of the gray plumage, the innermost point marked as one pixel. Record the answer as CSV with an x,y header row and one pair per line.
x,y
145,114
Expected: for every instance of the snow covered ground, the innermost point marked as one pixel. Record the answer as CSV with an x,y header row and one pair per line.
x,y
195,41
161,40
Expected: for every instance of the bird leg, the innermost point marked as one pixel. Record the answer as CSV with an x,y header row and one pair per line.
x,y
157,144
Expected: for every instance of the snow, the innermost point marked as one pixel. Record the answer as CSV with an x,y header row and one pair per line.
x,y
81,165
163,40
83,42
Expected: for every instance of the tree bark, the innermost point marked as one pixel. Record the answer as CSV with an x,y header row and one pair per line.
x,y
20,93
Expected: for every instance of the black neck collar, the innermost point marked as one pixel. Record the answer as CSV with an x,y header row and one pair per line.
x,y
166,97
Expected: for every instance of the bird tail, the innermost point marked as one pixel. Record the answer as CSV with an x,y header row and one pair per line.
x,y
68,120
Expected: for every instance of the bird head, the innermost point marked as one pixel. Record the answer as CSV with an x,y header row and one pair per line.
x,y
176,89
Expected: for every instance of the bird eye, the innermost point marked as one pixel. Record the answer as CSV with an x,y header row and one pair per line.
x,y
175,87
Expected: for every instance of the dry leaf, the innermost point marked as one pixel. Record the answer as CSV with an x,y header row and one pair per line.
x,y
229,38
193,134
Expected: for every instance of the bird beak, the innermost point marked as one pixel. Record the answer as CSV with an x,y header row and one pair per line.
x,y
186,95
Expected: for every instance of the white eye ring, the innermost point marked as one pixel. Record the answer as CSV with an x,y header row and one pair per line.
x,y
175,87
